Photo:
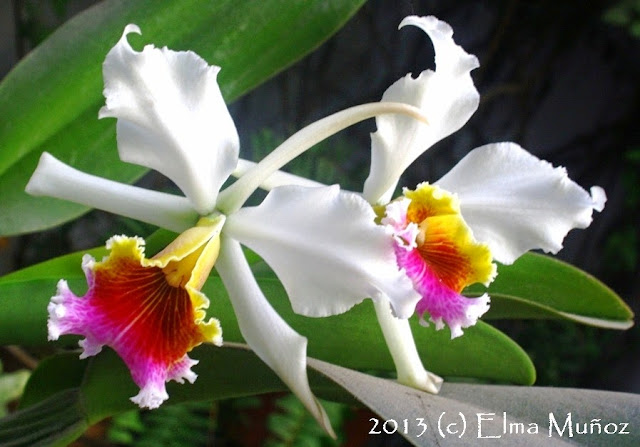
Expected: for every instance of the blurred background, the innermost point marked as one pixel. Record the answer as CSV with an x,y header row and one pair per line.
x,y
562,79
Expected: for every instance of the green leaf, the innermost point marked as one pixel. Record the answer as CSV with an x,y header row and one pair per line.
x,y
95,397
55,415
56,421
482,353
539,286
465,414
66,395
535,286
50,101
53,375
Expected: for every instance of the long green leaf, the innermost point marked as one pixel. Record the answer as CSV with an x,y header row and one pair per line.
x,y
67,266
539,286
66,395
56,421
50,101
483,353
465,414
422,418
54,374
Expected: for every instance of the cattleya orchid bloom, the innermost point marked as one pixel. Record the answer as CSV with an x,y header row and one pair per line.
x,y
171,117
497,203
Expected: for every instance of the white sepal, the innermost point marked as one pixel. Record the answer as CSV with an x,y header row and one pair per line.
x,y
268,335
325,248
515,202
447,97
54,178
171,117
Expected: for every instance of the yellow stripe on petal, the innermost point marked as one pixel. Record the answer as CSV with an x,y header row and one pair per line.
x,y
447,245
445,242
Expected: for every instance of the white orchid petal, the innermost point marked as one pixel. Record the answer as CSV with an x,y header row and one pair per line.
x,y
447,97
516,202
268,335
325,248
53,178
171,117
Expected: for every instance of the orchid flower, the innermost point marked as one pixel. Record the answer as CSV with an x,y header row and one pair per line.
x,y
171,117
497,203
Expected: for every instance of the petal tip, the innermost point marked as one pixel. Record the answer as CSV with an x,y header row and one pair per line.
x,y
88,264
90,347
36,186
475,309
599,198
181,371
427,23
493,272
131,28
57,311
150,396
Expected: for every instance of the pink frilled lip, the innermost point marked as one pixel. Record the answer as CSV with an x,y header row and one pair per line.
x,y
131,307
437,251
443,304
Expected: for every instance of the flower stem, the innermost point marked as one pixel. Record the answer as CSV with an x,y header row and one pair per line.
x,y
397,334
